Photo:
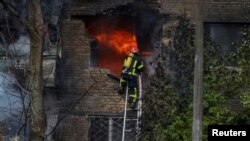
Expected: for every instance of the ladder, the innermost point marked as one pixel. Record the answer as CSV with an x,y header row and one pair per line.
x,y
138,115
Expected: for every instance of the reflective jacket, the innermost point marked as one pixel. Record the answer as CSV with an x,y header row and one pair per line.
x,y
133,65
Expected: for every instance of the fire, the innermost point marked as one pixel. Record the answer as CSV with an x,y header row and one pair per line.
x,y
115,37
114,47
120,41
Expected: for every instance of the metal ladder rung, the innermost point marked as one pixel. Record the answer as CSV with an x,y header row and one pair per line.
x,y
129,130
130,119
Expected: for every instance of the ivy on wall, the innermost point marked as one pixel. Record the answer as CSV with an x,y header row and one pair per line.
x,y
168,97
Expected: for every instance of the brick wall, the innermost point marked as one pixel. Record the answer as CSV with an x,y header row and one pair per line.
x,y
73,128
71,69
75,76
83,91
81,7
103,97
214,10
227,10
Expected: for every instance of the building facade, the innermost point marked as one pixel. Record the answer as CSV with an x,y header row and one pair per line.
x,y
86,95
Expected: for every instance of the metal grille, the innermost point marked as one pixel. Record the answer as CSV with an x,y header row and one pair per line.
x,y
103,128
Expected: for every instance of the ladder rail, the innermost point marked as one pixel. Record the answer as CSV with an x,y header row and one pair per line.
x,y
138,114
125,115
139,107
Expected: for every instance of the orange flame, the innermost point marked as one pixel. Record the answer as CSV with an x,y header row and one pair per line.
x,y
121,41
115,39
114,47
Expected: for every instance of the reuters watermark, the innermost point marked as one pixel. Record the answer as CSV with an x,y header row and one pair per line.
x,y
236,132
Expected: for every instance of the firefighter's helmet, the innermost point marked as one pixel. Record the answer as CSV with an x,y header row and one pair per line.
x,y
134,50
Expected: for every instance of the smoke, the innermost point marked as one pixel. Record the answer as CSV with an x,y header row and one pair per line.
x,y
10,97
9,101
52,9
10,106
21,47
149,34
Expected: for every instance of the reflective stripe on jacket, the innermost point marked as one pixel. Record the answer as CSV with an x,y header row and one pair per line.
x,y
132,65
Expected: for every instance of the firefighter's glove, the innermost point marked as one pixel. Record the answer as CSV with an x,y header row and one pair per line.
x,y
125,70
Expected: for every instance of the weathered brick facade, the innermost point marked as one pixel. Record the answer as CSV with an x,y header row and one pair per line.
x,y
227,10
88,91
73,128
83,90
76,78
214,10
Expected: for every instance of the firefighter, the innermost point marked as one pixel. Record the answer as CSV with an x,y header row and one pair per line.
x,y
132,67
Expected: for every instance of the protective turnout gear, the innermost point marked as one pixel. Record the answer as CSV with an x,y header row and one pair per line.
x,y
132,67
133,64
